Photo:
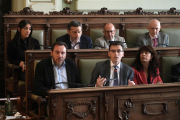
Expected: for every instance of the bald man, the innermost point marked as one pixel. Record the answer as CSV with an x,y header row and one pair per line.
x,y
109,35
154,37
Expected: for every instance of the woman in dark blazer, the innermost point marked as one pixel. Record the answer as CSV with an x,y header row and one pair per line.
x,y
145,67
19,44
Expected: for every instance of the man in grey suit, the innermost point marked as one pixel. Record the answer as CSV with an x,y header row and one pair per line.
x,y
154,37
109,35
104,71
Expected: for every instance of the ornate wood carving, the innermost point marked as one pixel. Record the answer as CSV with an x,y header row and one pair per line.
x,y
139,11
7,30
103,11
47,35
91,110
86,27
178,101
66,11
26,11
122,26
125,115
171,11
30,57
128,104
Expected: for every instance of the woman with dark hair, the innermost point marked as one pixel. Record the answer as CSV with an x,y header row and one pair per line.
x,y
21,42
146,66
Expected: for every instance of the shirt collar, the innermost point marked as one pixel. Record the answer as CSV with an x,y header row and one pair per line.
x,y
153,37
112,65
64,63
74,42
109,40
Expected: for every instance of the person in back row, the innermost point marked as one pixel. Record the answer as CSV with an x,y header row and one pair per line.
x,y
74,39
154,37
114,69
109,35
21,42
145,66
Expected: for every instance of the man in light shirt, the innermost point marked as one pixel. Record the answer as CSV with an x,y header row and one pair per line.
x,y
105,71
109,35
154,37
55,72
74,39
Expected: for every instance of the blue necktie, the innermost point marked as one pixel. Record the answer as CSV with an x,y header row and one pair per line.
x,y
115,76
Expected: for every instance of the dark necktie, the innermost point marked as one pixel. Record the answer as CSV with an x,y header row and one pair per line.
x,y
155,42
115,76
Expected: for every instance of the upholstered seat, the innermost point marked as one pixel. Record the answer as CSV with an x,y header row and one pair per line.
x,y
167,63
174,36
128,61
56,34
132,36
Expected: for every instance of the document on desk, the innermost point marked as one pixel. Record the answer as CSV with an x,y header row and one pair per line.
x,y
13,117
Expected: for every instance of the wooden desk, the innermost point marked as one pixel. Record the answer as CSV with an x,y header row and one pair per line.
x,y
141,102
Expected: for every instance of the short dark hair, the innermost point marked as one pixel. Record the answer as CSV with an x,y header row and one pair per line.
x,y
74,23
60,43
115,43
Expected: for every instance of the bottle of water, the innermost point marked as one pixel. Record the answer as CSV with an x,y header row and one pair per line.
x,y
8,106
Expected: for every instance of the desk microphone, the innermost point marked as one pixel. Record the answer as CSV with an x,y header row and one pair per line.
x,y
132,43
48,47
87,43
175,77
162,44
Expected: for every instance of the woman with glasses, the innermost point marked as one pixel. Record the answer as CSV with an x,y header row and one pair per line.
x,y
145,66
21,42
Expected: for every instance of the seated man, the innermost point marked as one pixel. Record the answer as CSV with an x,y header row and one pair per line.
x,y
154,37
55,69
114,69
74,39
109,35
176,72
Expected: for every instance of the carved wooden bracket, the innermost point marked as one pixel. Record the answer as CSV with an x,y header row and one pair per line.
x,y
103,11
47,35
26,11
65,11
138,11
30,57
122,28
178,101
7,30
171,11
86,27
128,104
91,110
125,115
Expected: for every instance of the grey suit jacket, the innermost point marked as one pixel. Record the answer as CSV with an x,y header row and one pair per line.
x,y
103,42
163,39
103,69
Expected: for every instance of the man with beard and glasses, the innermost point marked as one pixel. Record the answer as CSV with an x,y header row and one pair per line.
x,y
55,69
109,36
74,39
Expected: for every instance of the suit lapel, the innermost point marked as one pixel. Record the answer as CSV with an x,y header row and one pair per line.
x,y
68,72
148,42
50,70
121,73
107,72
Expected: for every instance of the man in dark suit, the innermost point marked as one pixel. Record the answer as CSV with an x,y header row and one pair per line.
x,y
104,71
154,37
176,72
55,69
74,39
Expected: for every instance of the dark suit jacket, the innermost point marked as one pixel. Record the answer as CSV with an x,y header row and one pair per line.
x,y
86,41
44,76
103,69
140,77
163,39
176,72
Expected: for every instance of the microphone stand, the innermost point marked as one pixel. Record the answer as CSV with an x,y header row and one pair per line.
x,y
165,74
87,43
48,47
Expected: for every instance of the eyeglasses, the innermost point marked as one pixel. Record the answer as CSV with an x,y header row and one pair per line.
x,y
114,51
112,31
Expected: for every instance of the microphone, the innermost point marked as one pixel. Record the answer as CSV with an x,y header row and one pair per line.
x,y
162,44
132,43
48,47
109,80
77,84
87,43
175,77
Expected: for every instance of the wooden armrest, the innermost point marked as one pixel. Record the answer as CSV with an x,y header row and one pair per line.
x,y
12,66
37,98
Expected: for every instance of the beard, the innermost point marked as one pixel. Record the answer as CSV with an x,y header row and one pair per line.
x,y
59,63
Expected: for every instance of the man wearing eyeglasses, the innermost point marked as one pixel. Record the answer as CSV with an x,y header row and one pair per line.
x,y
109,35
113,72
